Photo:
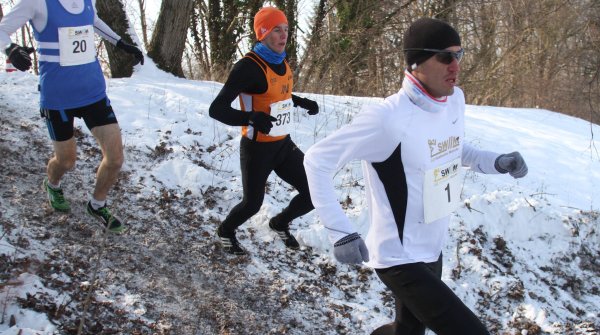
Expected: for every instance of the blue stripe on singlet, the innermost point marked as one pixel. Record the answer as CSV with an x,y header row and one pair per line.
x,y
63,115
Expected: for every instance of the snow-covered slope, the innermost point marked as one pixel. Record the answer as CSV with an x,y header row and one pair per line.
x,y
523,254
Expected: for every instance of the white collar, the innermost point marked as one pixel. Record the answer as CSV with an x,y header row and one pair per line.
x,y
420,97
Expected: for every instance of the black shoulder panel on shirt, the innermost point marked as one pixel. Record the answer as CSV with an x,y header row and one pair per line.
x,y
257,60
392,176
248,77
280,68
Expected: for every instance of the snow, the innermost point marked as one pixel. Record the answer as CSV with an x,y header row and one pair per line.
x,y
515,248
30,322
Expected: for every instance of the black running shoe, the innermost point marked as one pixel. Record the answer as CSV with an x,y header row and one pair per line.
x,y
230,244
288,239
108,220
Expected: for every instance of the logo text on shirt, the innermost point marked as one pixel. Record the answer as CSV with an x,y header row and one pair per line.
x,y
441,148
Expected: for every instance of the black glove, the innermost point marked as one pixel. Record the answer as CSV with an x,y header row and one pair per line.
x,y
351,249
131,49
310,105
19,56
512,163
261,121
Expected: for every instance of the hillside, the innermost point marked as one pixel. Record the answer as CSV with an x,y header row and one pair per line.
x,y
522,254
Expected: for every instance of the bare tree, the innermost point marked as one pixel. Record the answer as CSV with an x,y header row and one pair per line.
x,y
142,5
290,8
199,42
518,53
170,33
251,7
224,30
522,54
344,54
113,13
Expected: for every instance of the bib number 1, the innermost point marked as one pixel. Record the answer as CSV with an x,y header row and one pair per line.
x,y
441,191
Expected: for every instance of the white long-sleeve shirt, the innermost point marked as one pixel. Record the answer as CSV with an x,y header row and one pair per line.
x,y
37,12
410,160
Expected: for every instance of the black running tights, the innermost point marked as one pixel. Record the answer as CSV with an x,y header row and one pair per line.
x,y
257,161
424,301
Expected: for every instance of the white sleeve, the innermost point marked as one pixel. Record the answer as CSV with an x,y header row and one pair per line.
x,y
479,160
102,29
18,16
363,139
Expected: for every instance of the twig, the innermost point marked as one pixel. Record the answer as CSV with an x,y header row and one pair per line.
x,y
4,306
11,283
88,298
468,205
13,259
458,266
541,193
2,237
571,207
532,206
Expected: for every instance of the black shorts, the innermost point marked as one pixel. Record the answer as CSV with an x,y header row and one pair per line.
x,y
60,122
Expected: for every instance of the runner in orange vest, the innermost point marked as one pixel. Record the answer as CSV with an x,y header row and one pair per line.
x,y
263,82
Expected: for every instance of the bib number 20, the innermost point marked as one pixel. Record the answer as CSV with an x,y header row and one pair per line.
x,y
79,46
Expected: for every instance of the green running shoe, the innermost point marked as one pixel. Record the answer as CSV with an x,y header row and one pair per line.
x,y
104,215
56,198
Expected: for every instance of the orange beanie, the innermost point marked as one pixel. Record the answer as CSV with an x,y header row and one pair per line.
x,y
266,19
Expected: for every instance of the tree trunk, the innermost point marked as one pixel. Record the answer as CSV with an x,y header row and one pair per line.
x,y
224,30
113,14
142,4
199,42
307,64
252,7
290,8
170,33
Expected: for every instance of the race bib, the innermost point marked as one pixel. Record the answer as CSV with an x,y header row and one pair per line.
x,y
76,45
441,191
282,111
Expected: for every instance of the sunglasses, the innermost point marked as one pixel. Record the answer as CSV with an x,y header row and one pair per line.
x,y
443,56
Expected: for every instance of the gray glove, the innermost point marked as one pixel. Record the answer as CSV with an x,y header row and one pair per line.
x,y
512,163
351,249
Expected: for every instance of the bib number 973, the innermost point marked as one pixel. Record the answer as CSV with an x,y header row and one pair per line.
x,y
283,119
282,111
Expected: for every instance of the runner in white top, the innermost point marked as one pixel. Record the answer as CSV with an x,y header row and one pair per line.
x,y
412,148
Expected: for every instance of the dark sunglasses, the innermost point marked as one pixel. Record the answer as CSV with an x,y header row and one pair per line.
x,y
443,56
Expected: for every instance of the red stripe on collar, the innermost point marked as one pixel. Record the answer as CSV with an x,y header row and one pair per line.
x,y
418,84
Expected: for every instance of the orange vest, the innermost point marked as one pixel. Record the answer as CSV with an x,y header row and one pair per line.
x,y
279,88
